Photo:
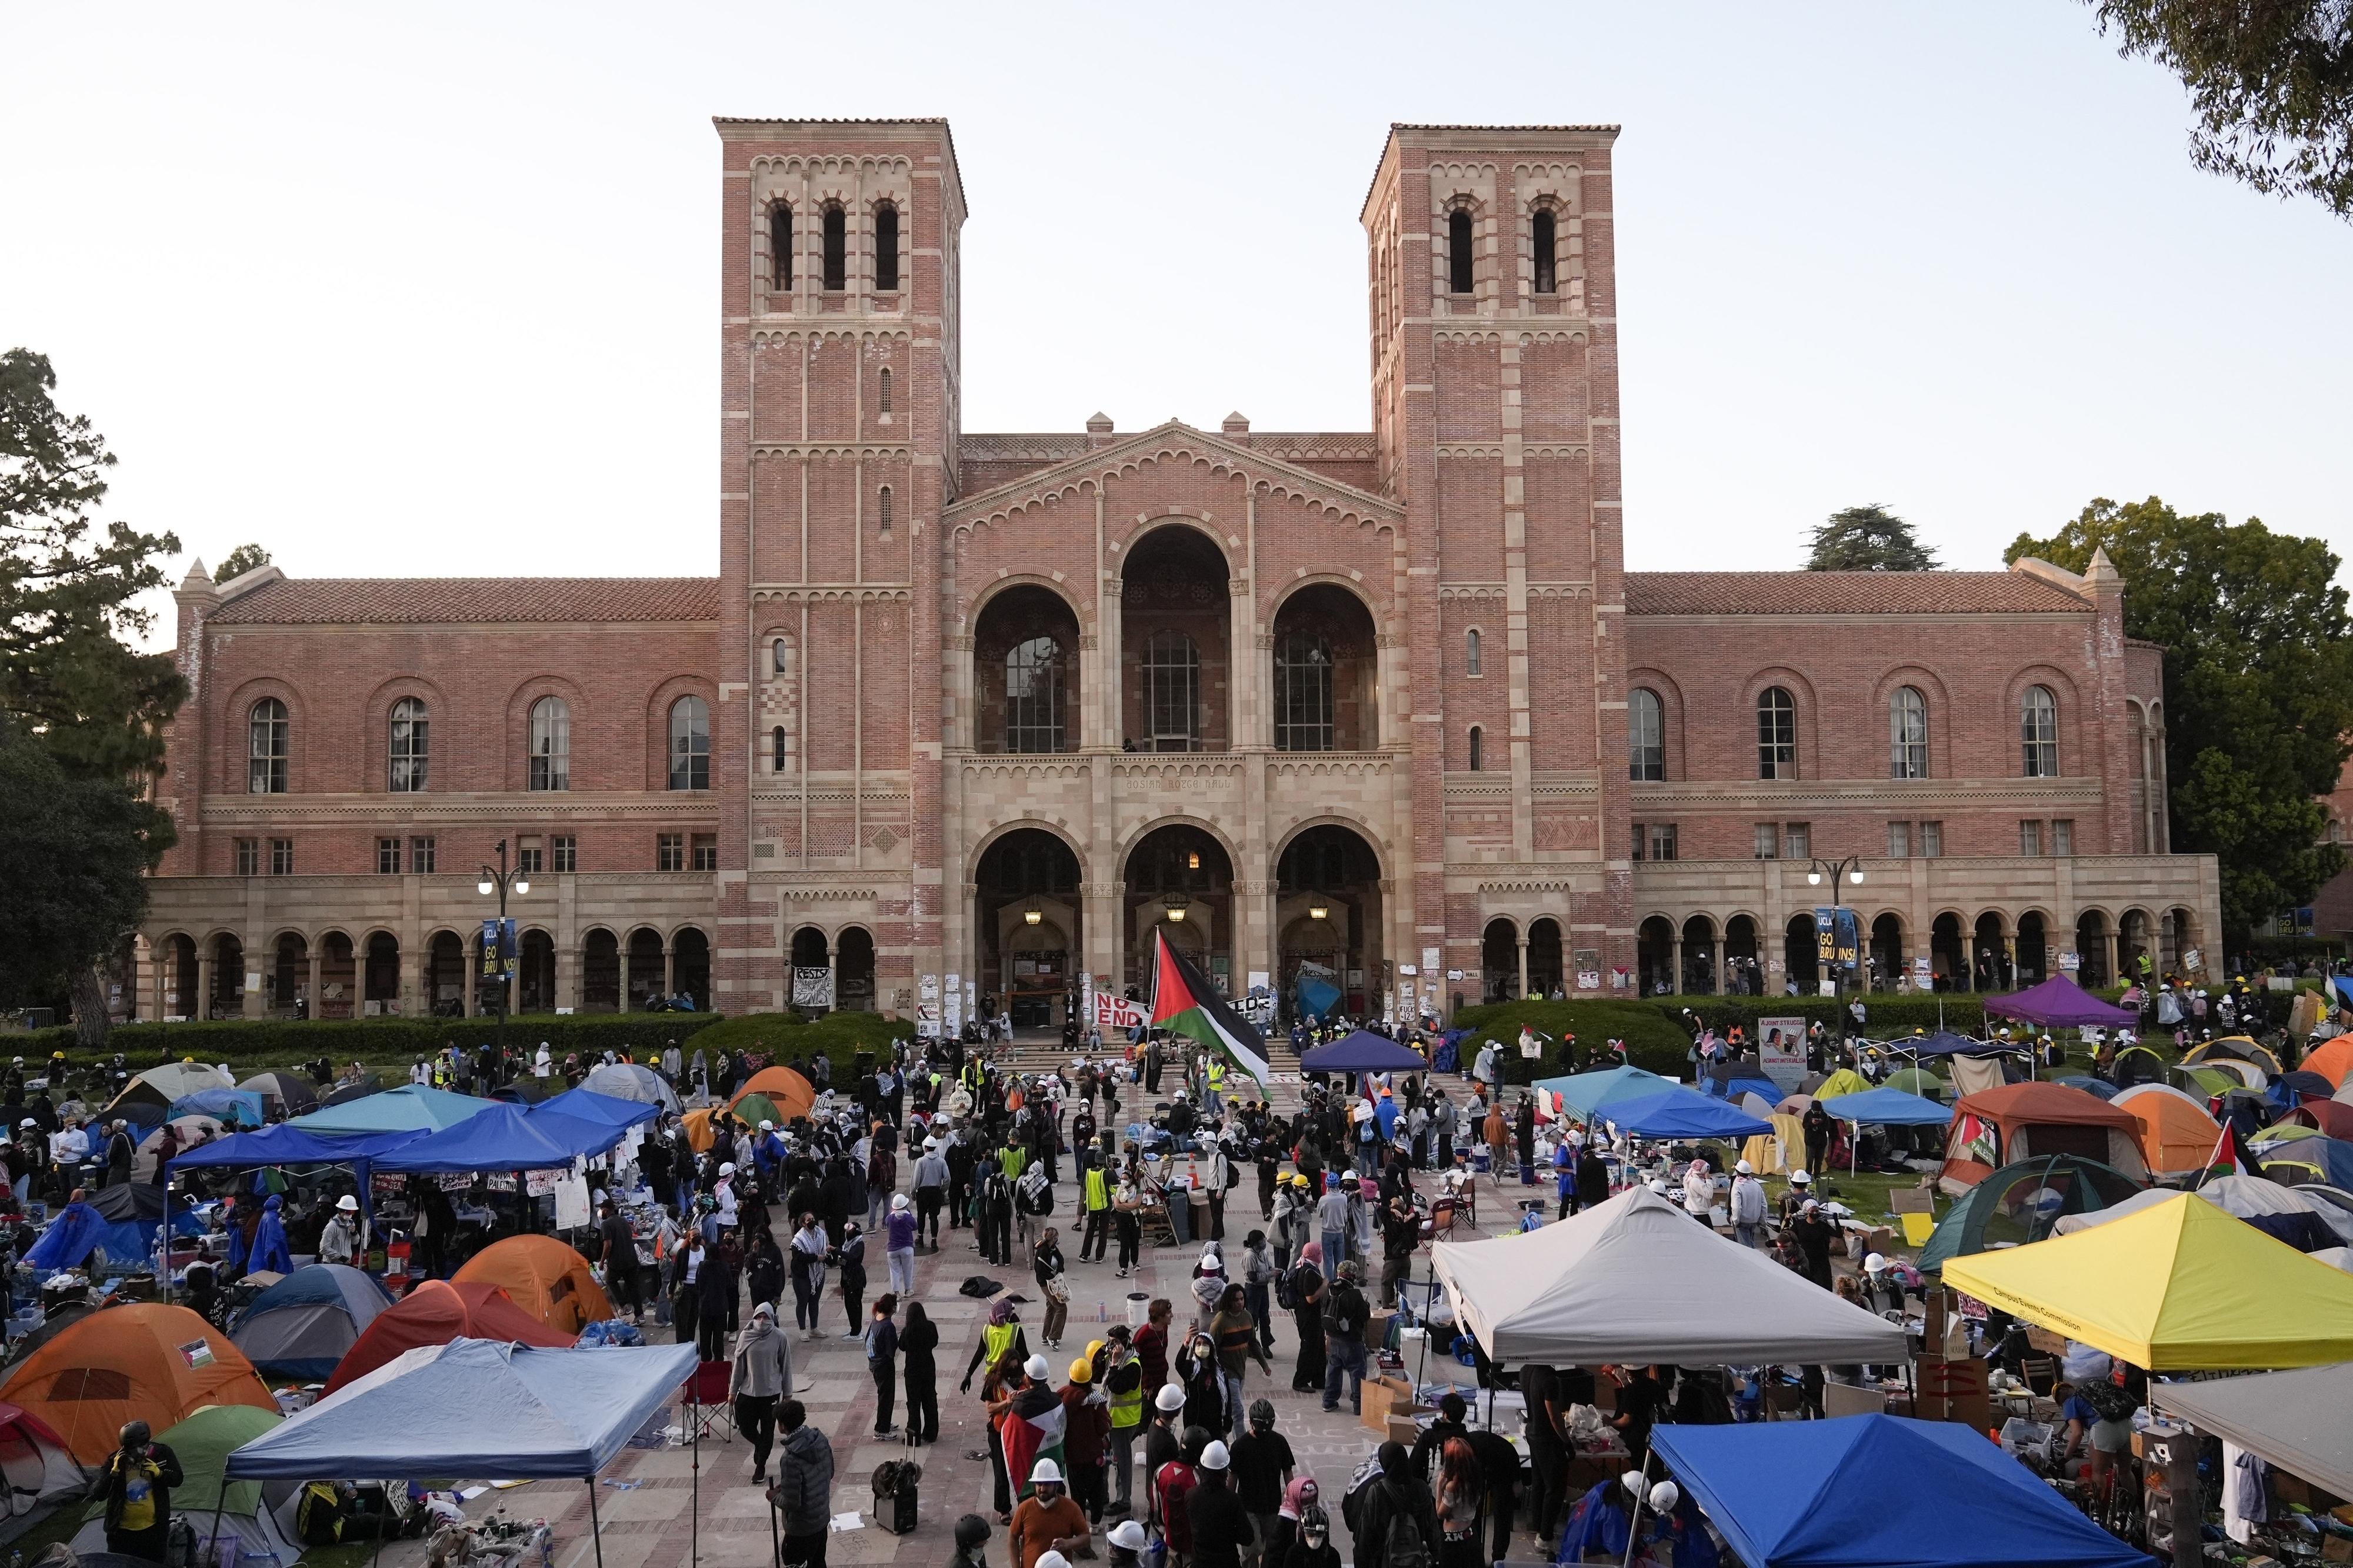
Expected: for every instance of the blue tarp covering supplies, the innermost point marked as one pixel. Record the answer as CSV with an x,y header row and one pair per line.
x,y
1681,1112
1795,1494
505,1138
472,1408
1363,1051
236,1106
123,1219
1888,1107
1944,1043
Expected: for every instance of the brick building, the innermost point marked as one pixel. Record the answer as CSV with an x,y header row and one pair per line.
x,y
974,715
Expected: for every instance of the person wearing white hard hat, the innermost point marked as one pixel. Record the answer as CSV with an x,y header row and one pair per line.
x,y
931,1183
1747,1205
1801,1189
1221,1526
339,1239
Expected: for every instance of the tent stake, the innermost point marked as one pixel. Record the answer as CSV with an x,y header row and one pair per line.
x,y
596,1530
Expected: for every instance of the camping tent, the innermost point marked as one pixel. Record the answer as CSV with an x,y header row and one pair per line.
x,y
1846,1080
1782,1150
1681,1112
1585,1093
1797,1494
145,1362
301,1326
2021,1203
411,1107
438,1311
2019,1121
2097,1088
628,1081
2330,1116
34,1463
2177,1287
292,1094
1887,1108
1363,1051
786,1089
192,1130
546,1278
2175,1133
1633,1279
2327,1161
1922,1082
231,1107
257,1516
503,1137
475,1408
2332,1059
2271,1207
2294,1421
2059,1003
158,1086
2232,1047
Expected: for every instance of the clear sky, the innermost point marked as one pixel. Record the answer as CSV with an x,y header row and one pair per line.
x,y
432,290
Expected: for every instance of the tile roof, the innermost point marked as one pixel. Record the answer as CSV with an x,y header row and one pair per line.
x,y
312,601
1846,594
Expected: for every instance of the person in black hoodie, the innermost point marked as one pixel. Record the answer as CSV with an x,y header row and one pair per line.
x,y
714,1303
764,1274
136,1482
1398,1496
852,1259
919,1343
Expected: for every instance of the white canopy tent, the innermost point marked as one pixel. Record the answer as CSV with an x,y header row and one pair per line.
x,y
1637,1281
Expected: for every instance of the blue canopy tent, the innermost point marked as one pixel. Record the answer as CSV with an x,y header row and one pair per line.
x,y
473,1407
1363,1051
1732,1088
505,1138
411,1108
1887,1108
1797,1494
1586,1092
1944,1043
589,1106
1681,1112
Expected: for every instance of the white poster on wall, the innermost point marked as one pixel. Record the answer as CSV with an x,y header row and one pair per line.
x,y
812,987
955,1021
1781,1051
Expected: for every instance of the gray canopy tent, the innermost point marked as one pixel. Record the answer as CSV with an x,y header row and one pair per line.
x,y
2296,1421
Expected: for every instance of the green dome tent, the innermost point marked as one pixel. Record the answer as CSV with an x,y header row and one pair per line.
x,y
258,1515
2021,1203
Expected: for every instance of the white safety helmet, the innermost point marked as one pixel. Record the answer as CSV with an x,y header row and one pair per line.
x,y
1215,1457
898,1201
1128,1535
1171,1397
1046,1474
727,1170
1875,1264
1745,1169
1037,1369
1799,1178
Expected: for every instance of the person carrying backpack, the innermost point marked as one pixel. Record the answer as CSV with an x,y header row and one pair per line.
x,y
1345,1317
1394,1519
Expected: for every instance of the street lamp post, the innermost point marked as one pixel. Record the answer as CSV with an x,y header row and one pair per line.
x,y
498,882
1847,869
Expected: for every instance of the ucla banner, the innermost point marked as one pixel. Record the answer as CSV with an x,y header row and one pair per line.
x,y
1835,937
499,949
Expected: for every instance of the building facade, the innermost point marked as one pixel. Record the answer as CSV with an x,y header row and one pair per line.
x,y
971,715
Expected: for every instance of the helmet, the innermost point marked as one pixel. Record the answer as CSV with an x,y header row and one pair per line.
x,y
1664,1496
767,1126
1128,1535
727,1168
347,1205
1215,1457
1082,1371
1036,1368
1349,1271
1875,1264
898,1202
1171,1397
1745,1169
1799,1178
1046,1474
135,1434
1262,1414
1312,1519
971,1531
1051,1560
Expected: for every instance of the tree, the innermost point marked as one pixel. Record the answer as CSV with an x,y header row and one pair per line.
x,y
2272,81
241,560
74,858
1868,539
2258,687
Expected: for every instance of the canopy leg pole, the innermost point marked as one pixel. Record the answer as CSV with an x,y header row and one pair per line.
x,y
377,1561
212,1547
595,1528
695,1508
1633,1515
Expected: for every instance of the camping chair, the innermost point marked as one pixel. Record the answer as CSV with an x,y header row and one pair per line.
x,y
708,1391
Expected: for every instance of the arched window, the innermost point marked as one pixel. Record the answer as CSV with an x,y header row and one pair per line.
x,y
883,511
550,744
1542,232
1776,735
410,748
882,391
1457,252
780,246
1477,749
776,742
1303,694
1172,693
1646,736
886,251
1907,734
837,249
265,768
1033,696
780,659
689,745
2037,733
1470,653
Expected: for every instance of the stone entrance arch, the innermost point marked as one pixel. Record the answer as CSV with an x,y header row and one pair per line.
x,y
1180,880
1027,925
1329,919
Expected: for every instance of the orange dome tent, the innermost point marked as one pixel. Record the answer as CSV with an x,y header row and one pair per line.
x,y
546,1278
2176,1132
786,1089
437,1313
2332,1059
144,1362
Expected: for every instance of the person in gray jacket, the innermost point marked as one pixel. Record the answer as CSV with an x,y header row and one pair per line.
x,y
763,1374
804,1488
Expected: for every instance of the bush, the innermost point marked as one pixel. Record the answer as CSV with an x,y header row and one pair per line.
x,y
1887,1014
838,1037
1653,1040
250,1045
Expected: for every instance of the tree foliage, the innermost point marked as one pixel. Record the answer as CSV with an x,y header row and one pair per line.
x,y
74,859
68,590
2272,81
1868,539
241,560
2258,686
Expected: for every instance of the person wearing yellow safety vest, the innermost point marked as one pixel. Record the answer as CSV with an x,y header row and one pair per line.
x,y
1096,1238
1001,1337
1123,1380
1215,1099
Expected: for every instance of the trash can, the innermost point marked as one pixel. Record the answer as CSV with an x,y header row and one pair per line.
x,y
1139,1308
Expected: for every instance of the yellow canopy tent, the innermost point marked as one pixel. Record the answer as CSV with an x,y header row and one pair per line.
x,y
2180,1285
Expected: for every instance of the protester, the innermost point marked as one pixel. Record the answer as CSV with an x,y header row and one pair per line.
x,y
1234,1333
1392,1517
1123,1385
803,1494
1220,1526
1308,1290
881,1363
1262,1463
899,1249
136,1482
763,1374
918,1344
1086,1432
1345,1317
1047,1521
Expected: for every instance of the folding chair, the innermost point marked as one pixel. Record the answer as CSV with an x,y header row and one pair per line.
x,y
703,1404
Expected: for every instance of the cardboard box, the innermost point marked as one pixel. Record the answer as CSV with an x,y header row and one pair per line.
x,y
1383,1396
1403,1429
1952,1390
1845,1399
1912,1200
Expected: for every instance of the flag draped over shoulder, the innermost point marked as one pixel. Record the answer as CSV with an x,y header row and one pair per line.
x,y
1185,1002
1032,1430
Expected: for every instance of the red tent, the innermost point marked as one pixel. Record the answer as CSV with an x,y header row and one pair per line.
x,y
2019,1120
437,1313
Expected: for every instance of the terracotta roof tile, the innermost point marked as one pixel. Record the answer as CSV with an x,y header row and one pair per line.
x,y
1846,594
312,601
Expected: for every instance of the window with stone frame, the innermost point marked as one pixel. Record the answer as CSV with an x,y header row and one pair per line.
x,y
281,856
420,855
1768,841
387,856
551,744
1544,241
835,248
1776,735
566,850
1461,274
1304,712
886,250
409,747
2037,733
1646,736
266,738
1478,746
670,852
1907,734
1172,692
248,857
780,246
1036,693
703,852
689,745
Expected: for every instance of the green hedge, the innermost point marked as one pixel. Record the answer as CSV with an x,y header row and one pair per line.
x,y
1887,1014
251,1045
838,1036
1653,1039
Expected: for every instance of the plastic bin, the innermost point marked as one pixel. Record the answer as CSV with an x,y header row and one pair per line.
x,y
1139,1308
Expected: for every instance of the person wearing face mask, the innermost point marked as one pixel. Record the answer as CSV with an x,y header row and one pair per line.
x,y
1311,1546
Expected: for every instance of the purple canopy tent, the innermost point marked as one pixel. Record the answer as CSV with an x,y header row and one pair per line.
x,y
2059,1003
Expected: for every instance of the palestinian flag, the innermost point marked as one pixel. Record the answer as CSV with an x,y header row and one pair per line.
x,y
1031,1430
1184,1003
2232,1156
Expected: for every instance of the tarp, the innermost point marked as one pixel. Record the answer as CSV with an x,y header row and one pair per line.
x,y
144,1362
1887,1108
503,1137
1818,1494
474,1408
2177,1287
2021,1203
1635,1281
1945,1043
545,1278
2175,1133
294,1093
1782,1150
2059,1003
590,1105
1586,1092
259,1517
438,1311
2294,1421
34,1463
287,1144
2255,1199
411,1107
788,1091
1363,1051
2097,1088
2019,1120
1681,1112
301,1326
628,1081
1316,997
237,1107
